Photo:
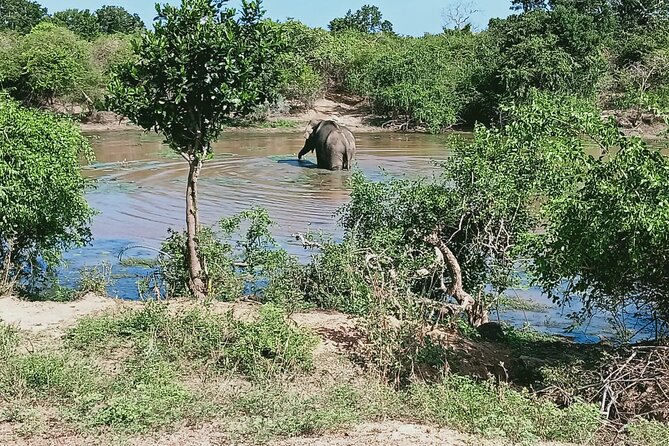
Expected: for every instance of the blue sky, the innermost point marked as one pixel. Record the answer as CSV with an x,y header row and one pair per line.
x,y
412,17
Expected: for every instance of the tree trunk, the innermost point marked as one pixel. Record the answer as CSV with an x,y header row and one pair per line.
x,y
196,282
476,312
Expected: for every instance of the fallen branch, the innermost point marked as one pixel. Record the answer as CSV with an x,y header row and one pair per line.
x,y
466,303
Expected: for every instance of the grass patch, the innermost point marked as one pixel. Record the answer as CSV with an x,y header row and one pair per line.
x,y
264,347
273,410
161,365
485,409
138,262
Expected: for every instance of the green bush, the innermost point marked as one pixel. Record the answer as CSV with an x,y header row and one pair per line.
x,y
55,64
237,261
648,433
298,80
268,345
336,281
44,210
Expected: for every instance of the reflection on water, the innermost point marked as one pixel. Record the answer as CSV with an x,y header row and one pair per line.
x,y
141,187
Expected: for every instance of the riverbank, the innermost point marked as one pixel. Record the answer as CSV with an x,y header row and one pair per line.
x,y
356,114
102,371
353,112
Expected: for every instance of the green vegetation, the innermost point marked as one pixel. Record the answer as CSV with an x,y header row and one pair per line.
x,y
42,193
422,260
183,86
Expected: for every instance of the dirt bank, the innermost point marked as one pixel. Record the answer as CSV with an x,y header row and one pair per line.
x,y
350,111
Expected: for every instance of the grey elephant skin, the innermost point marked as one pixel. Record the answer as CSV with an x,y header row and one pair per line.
x,y
334,144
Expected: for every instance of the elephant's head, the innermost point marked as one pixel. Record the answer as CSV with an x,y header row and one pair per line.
x,y
310,127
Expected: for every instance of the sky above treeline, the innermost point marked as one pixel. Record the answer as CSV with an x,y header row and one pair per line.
x,y
412,17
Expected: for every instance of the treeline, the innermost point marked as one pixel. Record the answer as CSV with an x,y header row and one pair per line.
x,y
65,57
614,53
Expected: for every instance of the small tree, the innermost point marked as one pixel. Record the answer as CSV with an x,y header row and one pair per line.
x,y
115,19
200,64
462,233
44,210
607,243
80,21
20,15
55,63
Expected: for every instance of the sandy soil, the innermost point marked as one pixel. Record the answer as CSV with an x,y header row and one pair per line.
x,y
52,317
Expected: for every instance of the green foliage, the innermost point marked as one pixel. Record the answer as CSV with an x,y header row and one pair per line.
x,y
647,433
80,21
45,375
260,348
8,340
400,351
115,19
237,261
367,19
335,282
482,408
10,70
607,239
214,249
558,51
95,279
54,63
199,64
269,345
41,191
144,395
490,185
298,80
20,15
425,81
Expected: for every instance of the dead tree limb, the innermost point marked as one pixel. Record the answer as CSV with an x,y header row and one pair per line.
x,y
465,302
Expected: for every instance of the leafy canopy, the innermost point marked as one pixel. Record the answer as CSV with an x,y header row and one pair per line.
x,y
199,65
607,243
80,21
115,19
44,210
20,15
54,63
367,19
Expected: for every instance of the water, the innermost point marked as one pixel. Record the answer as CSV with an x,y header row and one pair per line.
x,y
141,186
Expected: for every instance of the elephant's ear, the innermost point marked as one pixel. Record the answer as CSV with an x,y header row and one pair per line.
x,y
310,128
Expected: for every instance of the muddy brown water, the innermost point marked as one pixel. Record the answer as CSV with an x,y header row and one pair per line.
x,y
141,186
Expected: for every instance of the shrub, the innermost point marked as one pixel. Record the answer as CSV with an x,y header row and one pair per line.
x,y
55,63
269,345
42,198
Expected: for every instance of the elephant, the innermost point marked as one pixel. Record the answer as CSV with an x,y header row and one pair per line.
x,y
334,144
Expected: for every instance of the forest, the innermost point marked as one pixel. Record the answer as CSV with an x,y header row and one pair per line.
x,y
554,122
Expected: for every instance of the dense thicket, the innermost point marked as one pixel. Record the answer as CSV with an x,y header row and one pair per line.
x,y
610,52
41,192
